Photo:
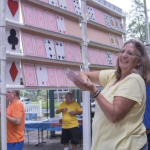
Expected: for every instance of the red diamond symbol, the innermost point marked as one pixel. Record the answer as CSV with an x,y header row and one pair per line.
x,y
13,71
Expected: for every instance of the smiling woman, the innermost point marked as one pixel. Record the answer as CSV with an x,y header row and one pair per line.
x,y
117,124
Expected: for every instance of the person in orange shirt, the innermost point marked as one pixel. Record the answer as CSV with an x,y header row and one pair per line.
x,y
15,121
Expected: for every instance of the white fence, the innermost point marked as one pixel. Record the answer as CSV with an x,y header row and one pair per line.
x,y
34,108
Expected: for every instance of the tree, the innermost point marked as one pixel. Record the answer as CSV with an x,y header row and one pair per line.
x,y
136,17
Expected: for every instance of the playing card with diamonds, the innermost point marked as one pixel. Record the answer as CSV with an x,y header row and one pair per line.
x,y
70,6
28,46
53,2
99,16
69,51
63,4
60,74
46,1
51,76
40,18
39,46
41,73
60,50
29,74
112,40
77,53
61,24
29,17
109,58
91,13
51,21
92,58
77,7
107,20
50,48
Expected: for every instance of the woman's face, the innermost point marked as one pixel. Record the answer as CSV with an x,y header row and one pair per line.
x,y
129,58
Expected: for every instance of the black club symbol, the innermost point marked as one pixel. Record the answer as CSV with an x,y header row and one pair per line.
x,y
12,39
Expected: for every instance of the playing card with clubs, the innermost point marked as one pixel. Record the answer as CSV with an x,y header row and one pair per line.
x,y
60,74
50,48
61,24
77,7
51,21
41,73
77,53
51,76
107,20
91,13
60,50
40,18
27,42
63,4
39,46
109,58
29,17
112,40
53,2
92,58
29,74
70,6
69,51
99,16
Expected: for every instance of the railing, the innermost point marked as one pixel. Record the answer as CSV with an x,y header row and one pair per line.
x,y
34,108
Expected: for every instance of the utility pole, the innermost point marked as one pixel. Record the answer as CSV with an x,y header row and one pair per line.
x,y
146,23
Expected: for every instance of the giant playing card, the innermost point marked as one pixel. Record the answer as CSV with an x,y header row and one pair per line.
x,y
70,6
29,74
61,81
69,82
28,47
92,58
51,76
69,51
99,57
39,46
29,17
63,4
41,73
77,53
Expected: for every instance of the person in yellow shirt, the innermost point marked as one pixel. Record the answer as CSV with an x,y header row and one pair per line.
x,y
117,124
69,109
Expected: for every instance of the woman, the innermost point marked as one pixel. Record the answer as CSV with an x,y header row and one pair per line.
x,y
117,124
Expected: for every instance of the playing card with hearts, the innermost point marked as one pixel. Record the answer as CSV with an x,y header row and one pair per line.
x,y
29,74
60,74
61,24
53,2
51,76
40,18
29,16
69,51
99,16
77,53
70,6
51,21
39,46
63,4
60,50
112,40
91,13
92,58
42,77
77,7
50,48
28,46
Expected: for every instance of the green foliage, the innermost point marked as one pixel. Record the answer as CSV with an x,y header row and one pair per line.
x,y
136,26
25,93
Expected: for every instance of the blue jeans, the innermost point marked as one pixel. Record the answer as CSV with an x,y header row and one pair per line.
x,y
145,147
15,146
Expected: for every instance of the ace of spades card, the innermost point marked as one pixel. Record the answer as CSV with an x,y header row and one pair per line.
x,y
77,7
61,24
41,73
60,50
107,20
63,4
109,58
53,2
91,13
50,49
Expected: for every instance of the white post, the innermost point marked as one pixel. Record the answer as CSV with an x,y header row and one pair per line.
x,y
3,75
85,94
40,104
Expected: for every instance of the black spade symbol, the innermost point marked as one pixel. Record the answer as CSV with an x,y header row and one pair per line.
x,y
63,57
52,2
12,39
60,44
49,42
57,44
65,7
51,56
49,48
59,57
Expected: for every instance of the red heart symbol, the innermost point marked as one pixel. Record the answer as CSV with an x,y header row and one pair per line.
x,y
60,30
13,6
64,32
42,82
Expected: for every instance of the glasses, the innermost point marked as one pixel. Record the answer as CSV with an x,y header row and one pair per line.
x,y
129,53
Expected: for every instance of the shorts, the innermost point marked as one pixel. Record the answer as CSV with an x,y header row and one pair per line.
x,y
15,146
70,134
